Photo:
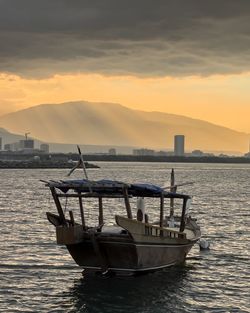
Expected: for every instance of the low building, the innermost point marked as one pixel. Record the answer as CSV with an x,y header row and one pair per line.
x,y
112,151
7,147
197,153
161,153
142,152
26,144
44,147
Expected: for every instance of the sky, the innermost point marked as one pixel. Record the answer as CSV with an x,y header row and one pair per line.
x,y
187,57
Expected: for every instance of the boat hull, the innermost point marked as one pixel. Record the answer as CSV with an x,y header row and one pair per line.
x,y
127,257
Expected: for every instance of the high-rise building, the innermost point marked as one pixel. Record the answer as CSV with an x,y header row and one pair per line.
x,y
179,145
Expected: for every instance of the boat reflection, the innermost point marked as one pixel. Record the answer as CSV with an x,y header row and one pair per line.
x,y
156,292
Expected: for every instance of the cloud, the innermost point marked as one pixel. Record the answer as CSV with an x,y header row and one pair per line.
x,y
139,37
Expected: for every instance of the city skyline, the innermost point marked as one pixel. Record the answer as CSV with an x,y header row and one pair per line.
x,y
32,146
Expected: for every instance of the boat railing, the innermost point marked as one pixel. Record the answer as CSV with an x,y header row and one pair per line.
x,y
157,231
135,227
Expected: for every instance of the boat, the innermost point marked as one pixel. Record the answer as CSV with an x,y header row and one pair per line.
x,y
132,243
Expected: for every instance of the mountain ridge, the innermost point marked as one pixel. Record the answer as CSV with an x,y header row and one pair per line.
x,y
114,124
118,104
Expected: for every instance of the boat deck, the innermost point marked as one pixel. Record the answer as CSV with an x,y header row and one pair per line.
x,y
115,229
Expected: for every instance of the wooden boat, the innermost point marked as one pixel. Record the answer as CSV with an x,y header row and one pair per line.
x,y
134,243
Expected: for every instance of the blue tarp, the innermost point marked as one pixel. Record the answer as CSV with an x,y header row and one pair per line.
x,y
109,186
148,188
112,187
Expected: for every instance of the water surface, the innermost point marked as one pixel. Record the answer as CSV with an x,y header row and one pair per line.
x,y
39,276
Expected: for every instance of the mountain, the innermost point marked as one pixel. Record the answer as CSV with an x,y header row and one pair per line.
x,y
113,124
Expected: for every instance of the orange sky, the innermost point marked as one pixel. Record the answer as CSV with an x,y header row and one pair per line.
x,y
223,100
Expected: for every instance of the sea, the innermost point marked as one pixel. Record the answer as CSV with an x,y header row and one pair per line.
x,y
36,275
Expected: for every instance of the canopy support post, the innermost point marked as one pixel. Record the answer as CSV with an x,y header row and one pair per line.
x,y
100,211
72,217
182,226
81,211
172,189
127,204
58,205
161,212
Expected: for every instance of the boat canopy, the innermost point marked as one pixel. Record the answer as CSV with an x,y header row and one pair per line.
x,y
111,187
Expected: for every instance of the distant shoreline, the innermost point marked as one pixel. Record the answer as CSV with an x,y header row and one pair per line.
x,y
66,160
40,165
167,159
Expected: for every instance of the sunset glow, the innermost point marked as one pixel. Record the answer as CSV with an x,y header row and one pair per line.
x,y
101,60
223,100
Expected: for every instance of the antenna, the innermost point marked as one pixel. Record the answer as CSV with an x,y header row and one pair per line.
x,y
26,136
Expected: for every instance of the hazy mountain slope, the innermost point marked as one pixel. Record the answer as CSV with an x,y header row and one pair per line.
x,y
113,124
8,137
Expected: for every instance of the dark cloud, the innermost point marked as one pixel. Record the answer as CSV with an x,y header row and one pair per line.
x,y
141,37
